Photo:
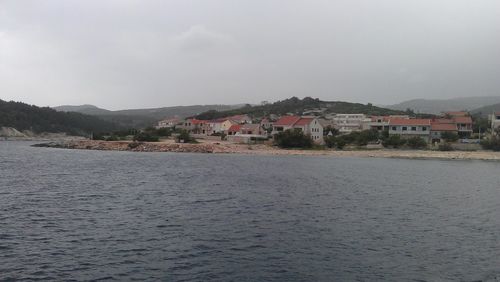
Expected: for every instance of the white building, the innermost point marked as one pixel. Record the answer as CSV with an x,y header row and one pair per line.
x,y
309,125
347,123
495,121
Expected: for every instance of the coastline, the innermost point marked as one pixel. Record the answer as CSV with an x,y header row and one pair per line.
x,y
223,147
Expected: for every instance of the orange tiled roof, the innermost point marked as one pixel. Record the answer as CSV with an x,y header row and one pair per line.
x,y
444,127
235,128
287,121
414,121
463,120
304,121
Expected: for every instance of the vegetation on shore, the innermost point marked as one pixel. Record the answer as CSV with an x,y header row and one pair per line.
x,y
293,138
36,119
299,106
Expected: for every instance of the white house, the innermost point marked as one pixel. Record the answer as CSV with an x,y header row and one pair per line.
x,y
495,121
347,123
410,127
309,125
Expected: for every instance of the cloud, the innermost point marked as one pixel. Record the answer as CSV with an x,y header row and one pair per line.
x,y
198,39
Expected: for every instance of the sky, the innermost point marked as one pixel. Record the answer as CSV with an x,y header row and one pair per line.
x,y
120,54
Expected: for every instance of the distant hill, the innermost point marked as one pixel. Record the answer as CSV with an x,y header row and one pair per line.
x,y
436,106
139,118
83,109
487,110
22,116
298,106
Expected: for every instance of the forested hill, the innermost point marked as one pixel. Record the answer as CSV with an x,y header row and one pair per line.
x,y
22,116
298,106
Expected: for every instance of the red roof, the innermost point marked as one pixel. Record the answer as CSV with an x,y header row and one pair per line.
x,y
235,128
457,114
463,120
444,127
239,117
442,120
287,121
413,121
197,121
304,121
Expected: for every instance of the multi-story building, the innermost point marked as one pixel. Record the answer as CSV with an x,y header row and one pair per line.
x,y
495,122
407,128
309,125
347,123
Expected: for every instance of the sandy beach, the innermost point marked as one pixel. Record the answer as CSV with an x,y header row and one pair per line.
x,y
222,147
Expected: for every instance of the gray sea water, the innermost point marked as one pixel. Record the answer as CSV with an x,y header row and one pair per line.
x,y
120,216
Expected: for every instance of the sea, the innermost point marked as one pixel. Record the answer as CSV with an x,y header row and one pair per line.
x,y
77,215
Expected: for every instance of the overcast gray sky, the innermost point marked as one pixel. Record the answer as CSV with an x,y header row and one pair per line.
x,y
129,54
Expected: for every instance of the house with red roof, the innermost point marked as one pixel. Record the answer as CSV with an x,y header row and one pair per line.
x,y
463,121
219,126
381,123
241,119
193,125
407,128
440,126
309,125
464,125
234,129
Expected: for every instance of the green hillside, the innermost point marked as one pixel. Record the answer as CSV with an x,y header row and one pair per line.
x,y
37,119
298,106
140,118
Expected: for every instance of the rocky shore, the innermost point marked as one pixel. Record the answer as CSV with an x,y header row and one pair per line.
x,y
231,148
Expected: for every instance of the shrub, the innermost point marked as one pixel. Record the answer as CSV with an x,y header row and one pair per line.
x,y
445,147
394,141
330,141
293,139
98,136
164,132
112,138
449,136
340,144
416,143
331,129
184,137
493,143
146,137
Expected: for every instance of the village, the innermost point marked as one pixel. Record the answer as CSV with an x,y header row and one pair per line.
x,y
450,127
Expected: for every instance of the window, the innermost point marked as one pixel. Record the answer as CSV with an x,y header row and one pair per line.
x,y
414,128
394,128
405,128
424,128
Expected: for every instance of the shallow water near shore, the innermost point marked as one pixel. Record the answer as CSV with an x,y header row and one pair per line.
x,y
119,216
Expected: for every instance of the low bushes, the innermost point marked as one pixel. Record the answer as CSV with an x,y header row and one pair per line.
x,y
146,137
394,141
445,147
416,143
293,139
184,137
492,143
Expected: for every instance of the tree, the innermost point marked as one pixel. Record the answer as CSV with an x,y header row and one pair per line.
x,y
146,137
416,143
480,124
394,141
184,137
445,147
449,136
328,129
293,138
492,143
